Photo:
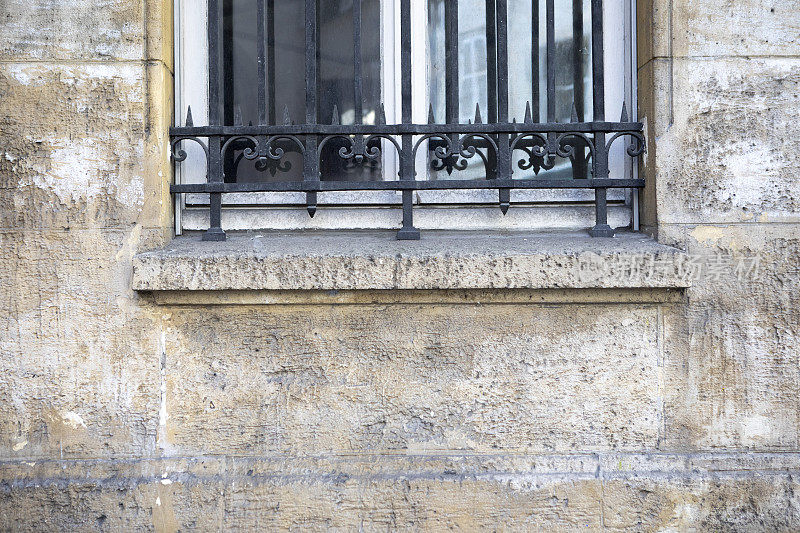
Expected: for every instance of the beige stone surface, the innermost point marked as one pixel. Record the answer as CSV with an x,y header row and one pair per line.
x,y
730,154
79,139
750,28
72,30
516,398
80,358
731,28
353,378
733,352
73,141
76,30
432,493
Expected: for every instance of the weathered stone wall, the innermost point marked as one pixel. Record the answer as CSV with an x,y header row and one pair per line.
x,y
722,97
578,409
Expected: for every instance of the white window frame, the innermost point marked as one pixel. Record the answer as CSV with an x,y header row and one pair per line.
x,y
534,209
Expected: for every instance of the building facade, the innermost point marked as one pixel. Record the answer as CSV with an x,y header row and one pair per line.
x,y
483,380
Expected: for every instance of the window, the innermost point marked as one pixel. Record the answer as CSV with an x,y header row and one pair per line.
x,y
374,111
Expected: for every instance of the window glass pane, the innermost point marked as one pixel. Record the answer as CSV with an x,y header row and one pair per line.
x,y
436,58
337,82
527,76
474,83
285,50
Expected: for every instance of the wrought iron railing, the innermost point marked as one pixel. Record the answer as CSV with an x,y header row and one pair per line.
x,y
587,144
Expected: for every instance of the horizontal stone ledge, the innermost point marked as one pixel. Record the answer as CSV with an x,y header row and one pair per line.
x,y
420,297
357,261
444,465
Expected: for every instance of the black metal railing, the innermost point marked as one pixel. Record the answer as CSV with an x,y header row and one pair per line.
x,y
586,144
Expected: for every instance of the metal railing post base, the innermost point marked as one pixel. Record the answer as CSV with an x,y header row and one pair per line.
x,y
214,234
602,230
408,234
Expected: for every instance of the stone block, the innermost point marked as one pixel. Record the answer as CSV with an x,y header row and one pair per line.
x,y
345,379
732,355
72,30
722,29
79,139
84,356
478,492
730,155
336,261
744,28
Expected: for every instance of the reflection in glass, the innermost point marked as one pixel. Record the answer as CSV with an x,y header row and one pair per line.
x,y
472,74
527,38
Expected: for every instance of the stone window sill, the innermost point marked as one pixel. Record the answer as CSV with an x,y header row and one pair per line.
x,y
441,261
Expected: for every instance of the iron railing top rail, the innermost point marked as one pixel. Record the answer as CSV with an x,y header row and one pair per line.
x,y
411,129
448,144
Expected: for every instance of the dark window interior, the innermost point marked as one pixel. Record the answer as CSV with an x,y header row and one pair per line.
x,y
285,47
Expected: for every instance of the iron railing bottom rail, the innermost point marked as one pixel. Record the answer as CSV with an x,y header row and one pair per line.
x,y
336,186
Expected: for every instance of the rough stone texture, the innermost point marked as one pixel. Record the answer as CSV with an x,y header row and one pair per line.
x,y
669,28
437,378
442,261
738,362
615,492
742,154
75,30
642,406
48,30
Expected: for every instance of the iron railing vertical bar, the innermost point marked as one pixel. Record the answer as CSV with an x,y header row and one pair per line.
x,y
451,45
318,60
535,67
579,157
550,52
491,59
491,79
311,174
405,65
230,112
213,64
601,227
215,168
311,61
551,60
272,118
598,68
502,63
407,173
577,58
227,61
262,61
358,87
451,80
503,143
358,90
